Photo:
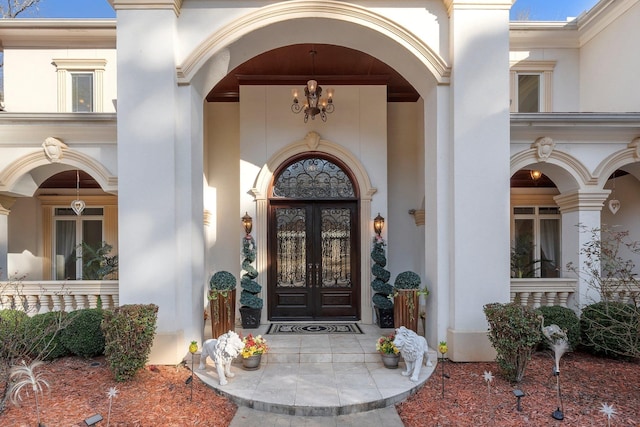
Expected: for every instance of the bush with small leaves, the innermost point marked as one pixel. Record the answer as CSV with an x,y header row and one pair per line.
x,y
128,332
514,332
612,329
566,319
83,336
12,334
44,331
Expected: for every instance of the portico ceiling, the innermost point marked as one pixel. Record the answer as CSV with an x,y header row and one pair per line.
x,y
293,65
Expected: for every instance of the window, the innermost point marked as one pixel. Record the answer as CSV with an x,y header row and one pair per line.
x,y
81,92
80,85
531,86
536,234
71,233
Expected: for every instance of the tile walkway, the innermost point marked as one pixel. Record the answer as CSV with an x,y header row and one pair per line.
x,y
318,380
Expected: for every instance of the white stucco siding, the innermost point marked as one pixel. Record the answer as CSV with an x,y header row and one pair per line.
x,y
31,78
480,146
609,64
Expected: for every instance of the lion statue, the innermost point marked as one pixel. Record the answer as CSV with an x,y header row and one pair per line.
x,y
222,351
413,349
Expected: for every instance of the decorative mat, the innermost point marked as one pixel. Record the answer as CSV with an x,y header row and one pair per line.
x,y
314,328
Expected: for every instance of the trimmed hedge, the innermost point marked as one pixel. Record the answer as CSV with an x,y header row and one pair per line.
x,y
611,329
566,319
83,336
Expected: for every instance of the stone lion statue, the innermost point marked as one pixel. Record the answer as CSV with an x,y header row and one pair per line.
x,y
413,349
222,351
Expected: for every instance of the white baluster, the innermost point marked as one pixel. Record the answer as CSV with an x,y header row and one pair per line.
x,y
550,298
45,304
31,304
57,302
68,303
524,298
93,301
562,298
537,296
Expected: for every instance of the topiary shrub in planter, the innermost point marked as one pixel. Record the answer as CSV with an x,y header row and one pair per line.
x,y
222,302
45,332
128,334
83,335
566,319
611,328
251,303
514,332
382,302
406,295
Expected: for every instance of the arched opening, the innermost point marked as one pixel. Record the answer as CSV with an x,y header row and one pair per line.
x,y
313,240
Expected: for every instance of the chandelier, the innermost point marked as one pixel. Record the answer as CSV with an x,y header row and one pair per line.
x,y
315,104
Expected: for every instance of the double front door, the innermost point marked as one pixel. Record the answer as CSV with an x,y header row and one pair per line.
x,y
313,262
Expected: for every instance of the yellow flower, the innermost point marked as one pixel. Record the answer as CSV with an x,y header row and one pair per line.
x,y
385,345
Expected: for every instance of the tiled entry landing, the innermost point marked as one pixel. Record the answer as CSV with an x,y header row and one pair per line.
x,y
318,375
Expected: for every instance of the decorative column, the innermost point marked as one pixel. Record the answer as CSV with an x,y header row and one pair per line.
x,y
5,205
581,211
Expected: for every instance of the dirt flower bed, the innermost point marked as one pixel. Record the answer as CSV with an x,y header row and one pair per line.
x,y
586,383
156,396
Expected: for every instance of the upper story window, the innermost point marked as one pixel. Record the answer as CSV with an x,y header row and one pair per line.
x,y
80,85
531,86
81,92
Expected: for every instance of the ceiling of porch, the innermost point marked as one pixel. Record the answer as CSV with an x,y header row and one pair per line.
x,y
294,65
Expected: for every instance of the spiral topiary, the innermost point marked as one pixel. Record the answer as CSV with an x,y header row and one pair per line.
x,y
250,288
381,288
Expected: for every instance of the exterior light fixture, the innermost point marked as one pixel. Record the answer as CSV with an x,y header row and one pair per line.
x,y
518,394
378,224
93,420
315,104
78,205
535,174
247,223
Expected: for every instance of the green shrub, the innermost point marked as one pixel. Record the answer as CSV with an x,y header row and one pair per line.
x,y
514,332
83,335
407,280
12,334
44,332
382,301
566,319
129,331
222,281
611,328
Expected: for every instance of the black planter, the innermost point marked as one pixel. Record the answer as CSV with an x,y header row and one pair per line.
x,y
384,317
251,317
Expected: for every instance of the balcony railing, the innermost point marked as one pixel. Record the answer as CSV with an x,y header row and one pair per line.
x,y
35,297
536,292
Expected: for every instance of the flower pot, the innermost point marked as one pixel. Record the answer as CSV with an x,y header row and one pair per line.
x,y
251,363
390,361
384,317
406,309
250,317
222,310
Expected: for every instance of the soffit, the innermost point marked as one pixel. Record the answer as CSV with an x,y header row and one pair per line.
x,y
333,65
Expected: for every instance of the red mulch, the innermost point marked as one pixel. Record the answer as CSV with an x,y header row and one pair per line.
x,y
586,382
158,396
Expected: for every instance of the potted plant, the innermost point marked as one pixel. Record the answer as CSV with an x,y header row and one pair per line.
x,y
254,348
222,302
388,351
382,302
407,300
251,303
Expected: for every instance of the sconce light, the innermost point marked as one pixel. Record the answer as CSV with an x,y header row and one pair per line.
x,y
378,224
535,174
247,222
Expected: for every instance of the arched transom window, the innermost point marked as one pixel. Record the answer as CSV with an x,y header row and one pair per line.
x,y
313,178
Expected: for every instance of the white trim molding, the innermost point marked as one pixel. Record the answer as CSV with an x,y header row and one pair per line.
x,y
66,66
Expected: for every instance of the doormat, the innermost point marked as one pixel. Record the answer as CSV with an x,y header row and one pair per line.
x,y
314,328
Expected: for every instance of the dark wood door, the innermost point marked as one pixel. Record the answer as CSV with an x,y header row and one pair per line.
x,y
313,270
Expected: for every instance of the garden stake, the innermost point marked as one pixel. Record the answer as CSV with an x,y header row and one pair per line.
x,y
442,348
193,347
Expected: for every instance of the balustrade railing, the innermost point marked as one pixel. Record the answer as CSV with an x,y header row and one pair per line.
x,y
536,292
35,297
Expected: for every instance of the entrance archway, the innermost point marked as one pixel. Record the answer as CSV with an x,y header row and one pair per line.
x,y
313,245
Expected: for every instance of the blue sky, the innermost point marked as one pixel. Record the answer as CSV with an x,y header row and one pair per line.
x,y
536,10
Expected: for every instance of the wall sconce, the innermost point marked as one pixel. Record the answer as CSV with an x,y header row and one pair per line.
x,y
247,223
535,174
378,224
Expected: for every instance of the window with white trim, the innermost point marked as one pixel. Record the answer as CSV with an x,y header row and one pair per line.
x,y
535,250
70,233
531,86
80,84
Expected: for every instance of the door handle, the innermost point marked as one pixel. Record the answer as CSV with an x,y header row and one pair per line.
x,y
310,274
317,274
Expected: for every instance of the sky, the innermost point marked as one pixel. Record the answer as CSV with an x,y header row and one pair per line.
x,y
532,10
